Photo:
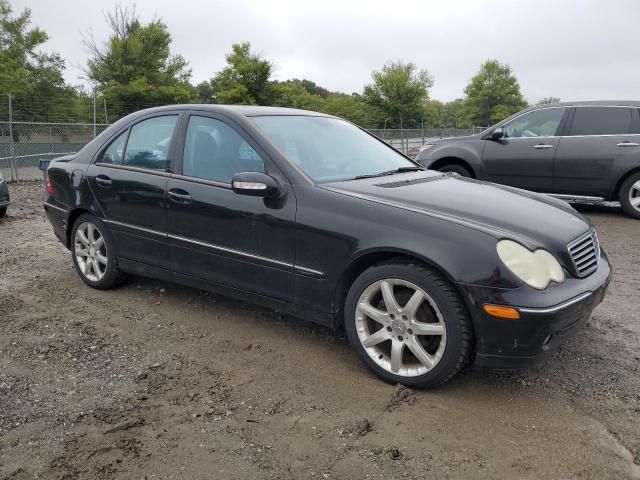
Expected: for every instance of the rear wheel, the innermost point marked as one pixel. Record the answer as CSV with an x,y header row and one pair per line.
x,y
408,324
630,195
455,168
93,253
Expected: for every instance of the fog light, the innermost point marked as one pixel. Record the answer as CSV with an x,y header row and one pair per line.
x,y
505,313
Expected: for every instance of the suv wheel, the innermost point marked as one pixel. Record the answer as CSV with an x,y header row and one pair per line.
x,y
408,324
93,253
459,169
630,195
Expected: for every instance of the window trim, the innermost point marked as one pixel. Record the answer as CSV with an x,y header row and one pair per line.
x,y
632,125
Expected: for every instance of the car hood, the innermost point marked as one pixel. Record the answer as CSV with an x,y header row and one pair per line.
x,y
534,219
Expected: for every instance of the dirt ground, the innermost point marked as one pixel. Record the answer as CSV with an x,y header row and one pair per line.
x,y
153,380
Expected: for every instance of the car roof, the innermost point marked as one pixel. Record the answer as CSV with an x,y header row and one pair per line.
x,y
592,103
239,110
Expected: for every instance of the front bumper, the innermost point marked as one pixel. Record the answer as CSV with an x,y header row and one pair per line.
x,y
547,318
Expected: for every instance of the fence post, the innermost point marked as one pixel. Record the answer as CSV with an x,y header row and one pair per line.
x,y
401,137
14,166
422,130
94,114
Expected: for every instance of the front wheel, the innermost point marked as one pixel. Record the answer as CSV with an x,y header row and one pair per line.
x,y
93,253
408,324
630,195
459,169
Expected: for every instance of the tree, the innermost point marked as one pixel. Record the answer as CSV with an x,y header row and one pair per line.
x,y
399,90
353,108
493,94
245,80
135,69
33,78
294,94
548,101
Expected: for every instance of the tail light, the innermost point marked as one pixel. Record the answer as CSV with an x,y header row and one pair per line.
x,y
48,183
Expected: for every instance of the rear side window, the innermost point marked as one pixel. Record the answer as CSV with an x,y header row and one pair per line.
x,y
149,143
113,153
601,121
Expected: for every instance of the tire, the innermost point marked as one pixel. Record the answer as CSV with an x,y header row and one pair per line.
x,y
455,168
3,211
100,253
630,192
441,310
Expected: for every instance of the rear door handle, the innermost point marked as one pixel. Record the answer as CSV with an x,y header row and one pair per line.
x,y
179,196
103,181
628,144
542,146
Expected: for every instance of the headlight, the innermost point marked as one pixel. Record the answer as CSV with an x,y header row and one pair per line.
x,y
537,269
424,147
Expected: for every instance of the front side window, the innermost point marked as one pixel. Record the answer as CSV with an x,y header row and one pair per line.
x,y
329,149
538,123
149,143
601,121
215,151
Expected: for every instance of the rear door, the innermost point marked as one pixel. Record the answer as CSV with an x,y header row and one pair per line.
x,y
217,235
129,180
601,143
524,156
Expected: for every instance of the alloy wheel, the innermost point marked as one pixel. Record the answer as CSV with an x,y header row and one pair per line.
x,y
400,327
634,195
90,251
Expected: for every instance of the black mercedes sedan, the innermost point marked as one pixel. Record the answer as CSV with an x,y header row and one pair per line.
x,y
581,152
309,214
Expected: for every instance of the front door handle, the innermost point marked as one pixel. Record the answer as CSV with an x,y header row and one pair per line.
x,y
179,196
103,181
628,144
542,146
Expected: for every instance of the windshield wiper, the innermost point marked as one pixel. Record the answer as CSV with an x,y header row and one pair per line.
x,y
390,172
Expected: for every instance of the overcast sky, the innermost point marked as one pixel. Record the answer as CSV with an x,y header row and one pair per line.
x,y
575,50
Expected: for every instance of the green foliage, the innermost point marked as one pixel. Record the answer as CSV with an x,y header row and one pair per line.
x,y
493,94
32,77
548,101
245,80
135,68
399,90
353,108
293,94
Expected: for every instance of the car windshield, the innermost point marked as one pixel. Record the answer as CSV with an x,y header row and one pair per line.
x,y
329,149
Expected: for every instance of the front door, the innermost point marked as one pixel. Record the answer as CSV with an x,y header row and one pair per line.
x,y
217,235
523,158
601,143
129,180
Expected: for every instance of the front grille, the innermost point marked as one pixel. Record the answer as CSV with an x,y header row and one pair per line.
x,y
585,254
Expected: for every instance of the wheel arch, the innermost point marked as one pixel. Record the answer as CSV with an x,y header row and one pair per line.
x,y
615,193
373,257
71,220
452,160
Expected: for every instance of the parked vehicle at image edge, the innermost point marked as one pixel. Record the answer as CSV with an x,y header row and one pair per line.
x,y
583,152
4,196
311,215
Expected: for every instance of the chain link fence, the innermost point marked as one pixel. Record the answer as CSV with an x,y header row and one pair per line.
x,y
24,144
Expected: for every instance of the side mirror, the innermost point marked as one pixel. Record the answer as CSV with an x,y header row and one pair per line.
x,y
255,184
497,134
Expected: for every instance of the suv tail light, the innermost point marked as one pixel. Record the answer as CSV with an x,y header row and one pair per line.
x,y
48,183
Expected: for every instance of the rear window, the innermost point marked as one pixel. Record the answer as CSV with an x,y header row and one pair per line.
x,y
601,121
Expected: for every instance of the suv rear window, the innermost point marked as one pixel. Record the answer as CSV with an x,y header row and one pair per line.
x,y
601,121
